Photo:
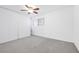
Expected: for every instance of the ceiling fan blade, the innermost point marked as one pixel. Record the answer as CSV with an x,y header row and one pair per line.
x,y
36,9
35,12
23,10
27,6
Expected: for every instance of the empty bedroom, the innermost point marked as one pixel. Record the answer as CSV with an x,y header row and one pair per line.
x,y
39,28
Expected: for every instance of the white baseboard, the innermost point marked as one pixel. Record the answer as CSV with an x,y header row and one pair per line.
x,y
77,45
1,42
53,38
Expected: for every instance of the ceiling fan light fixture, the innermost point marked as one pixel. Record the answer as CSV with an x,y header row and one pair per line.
x,y
30,10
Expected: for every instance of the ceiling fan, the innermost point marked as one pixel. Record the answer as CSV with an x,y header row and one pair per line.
x,y
31,9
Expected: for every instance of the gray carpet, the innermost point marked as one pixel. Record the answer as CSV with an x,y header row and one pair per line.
x,y
36,44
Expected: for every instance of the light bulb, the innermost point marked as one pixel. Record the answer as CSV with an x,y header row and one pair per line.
x,y
30,10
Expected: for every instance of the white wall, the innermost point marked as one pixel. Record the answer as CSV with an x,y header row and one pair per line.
x,y
13,25
58,25
76,26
